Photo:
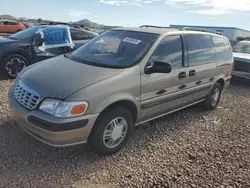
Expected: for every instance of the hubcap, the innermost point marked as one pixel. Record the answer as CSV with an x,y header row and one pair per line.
x,y
115,132
14,66
215,97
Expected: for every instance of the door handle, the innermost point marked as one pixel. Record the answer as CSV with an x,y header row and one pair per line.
x,y
198,82
182,75
182,86
161,92
211,79
192,72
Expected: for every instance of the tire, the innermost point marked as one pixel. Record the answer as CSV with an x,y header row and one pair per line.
x,y
97,141
211,103
13,64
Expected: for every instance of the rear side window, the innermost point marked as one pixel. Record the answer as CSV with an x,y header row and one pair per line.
x,y
12,23
85,35
200,49
223,49
169,50
78,35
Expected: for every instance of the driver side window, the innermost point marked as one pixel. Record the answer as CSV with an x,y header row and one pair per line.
x,y
169,50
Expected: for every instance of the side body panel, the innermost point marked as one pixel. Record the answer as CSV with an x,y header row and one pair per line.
x,y
164,92
19,47
124,86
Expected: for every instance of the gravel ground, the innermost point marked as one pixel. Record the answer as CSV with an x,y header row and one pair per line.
x,y
191,148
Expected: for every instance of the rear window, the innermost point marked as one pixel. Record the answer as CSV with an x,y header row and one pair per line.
x,y
223,49
242,47
200,49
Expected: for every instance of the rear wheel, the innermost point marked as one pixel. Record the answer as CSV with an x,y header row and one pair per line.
x,y
112,131
213,98
13,64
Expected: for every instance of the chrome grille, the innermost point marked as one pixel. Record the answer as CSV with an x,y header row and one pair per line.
x,y
26,96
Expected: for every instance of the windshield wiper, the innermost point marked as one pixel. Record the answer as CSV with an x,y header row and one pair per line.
x,y
94,63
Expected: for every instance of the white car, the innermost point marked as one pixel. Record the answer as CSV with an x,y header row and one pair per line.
x,y
242,59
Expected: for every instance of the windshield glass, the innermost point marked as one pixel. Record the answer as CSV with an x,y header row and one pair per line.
x,y
242,47
115,49
26,34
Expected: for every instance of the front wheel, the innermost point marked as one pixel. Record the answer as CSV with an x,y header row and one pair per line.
x,y
112,131
13,64
213,98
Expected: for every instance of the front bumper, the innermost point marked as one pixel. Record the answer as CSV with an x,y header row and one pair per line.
x,y
58,132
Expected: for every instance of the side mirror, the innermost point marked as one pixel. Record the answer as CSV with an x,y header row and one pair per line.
x,y
159,67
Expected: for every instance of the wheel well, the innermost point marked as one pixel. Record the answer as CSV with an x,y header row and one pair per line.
x,y
130,106
221,82
18,53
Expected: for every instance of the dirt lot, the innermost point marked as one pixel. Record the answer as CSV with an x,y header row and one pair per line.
x,y
191,148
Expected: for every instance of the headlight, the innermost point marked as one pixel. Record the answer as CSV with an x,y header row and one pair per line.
x,y
49,106
60,108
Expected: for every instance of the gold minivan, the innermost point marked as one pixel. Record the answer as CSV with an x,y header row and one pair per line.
x,y
121,78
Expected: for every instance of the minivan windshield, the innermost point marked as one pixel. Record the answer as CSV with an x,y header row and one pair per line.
x,y
242,47
27,33
114,49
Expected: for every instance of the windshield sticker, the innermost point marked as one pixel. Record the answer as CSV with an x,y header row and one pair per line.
x,y
131,40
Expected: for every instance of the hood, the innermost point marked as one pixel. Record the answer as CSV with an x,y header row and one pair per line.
x,y
59,77
241,57
6,40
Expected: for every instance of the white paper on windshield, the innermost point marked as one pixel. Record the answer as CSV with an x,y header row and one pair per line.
x,y
131,40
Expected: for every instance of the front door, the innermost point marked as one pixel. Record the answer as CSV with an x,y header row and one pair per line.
x,y
4,28
12,27
164,92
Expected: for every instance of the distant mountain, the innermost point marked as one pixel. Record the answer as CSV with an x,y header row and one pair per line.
x,y
93,25
88,23
5,16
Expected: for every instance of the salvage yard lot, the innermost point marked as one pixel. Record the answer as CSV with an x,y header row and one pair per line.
x,y
190,148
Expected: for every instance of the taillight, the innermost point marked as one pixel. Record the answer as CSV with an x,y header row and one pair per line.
x,y
233,66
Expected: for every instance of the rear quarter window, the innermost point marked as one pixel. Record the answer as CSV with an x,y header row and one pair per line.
x,y
200,49
223,50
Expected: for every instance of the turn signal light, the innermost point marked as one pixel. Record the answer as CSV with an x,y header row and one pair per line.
x,y
78,109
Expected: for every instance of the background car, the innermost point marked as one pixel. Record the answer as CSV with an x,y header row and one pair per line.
x,y
26,47
9,26
242,59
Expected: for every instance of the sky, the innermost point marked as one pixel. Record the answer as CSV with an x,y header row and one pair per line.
x,y
231,13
